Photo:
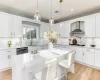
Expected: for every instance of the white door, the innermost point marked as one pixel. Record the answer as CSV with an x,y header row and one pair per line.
x,y
97,58
79,55
4,61
5,25
89,26
17,26
97,25
88,58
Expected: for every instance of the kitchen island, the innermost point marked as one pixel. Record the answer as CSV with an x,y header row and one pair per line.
x,y
28,64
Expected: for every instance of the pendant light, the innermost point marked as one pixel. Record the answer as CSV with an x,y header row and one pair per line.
x,y
37,16
51,21
61,24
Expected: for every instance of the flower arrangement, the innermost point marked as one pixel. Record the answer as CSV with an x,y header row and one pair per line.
x,y
51,36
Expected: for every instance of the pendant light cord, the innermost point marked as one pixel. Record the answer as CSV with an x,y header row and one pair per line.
x,y
60,8
37,5
51,8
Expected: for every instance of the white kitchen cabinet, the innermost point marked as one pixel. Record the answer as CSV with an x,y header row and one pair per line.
x,y
88,57
5,25
97,27
79,55
44,27
17,26
11,25
4,60
89,25
97,58
64,30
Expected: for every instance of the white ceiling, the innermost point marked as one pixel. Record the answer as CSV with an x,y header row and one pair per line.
x,y
29,7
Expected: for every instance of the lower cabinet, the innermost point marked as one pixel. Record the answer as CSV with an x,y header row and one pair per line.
x,y
79,55
4,61
88,58
97,58
5,58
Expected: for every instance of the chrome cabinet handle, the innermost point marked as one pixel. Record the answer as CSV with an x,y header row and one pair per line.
x,y
11,33
83,53
8,51
9,56
14,34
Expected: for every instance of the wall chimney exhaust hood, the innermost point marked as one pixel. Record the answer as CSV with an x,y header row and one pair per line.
x,y
78,30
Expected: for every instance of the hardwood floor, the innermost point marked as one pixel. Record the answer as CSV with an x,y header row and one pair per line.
x,y
84,73
81,73
6,75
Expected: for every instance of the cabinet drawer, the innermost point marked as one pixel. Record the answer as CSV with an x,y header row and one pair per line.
x,y
89,50
10,51
97,51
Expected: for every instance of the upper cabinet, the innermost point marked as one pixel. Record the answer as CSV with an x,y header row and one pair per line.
x,y
89,26
97,27
10,26
44,27
17,26
63,29
5,24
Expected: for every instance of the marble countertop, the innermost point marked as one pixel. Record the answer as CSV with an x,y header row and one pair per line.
x,y
58,45
55,45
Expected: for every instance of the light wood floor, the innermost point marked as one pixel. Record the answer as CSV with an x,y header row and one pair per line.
x,y
81,73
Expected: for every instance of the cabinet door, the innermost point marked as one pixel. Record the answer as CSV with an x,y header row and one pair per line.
x,y
88,58
89,26
97,60
4,61
79,55
17,26
97,25
5,25
44,27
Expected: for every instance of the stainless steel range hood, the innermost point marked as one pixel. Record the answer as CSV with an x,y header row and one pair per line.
x,y
78,30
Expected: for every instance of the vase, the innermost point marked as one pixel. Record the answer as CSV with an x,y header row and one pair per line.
x,y
50,45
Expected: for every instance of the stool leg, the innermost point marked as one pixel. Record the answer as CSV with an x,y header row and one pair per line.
x,y
72,69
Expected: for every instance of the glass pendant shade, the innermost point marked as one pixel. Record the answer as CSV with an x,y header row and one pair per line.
x,y
37,16
51,21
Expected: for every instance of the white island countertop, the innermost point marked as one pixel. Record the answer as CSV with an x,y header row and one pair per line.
x,y
44,56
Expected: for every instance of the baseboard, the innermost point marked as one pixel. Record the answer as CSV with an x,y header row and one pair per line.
x,y
5,69
88,65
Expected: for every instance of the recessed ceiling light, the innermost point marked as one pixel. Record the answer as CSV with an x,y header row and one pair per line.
x,y
72,9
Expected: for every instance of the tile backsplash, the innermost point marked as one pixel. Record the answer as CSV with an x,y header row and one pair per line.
x,y
4,42
63,41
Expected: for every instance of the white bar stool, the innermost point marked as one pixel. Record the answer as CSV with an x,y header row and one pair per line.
x,y
50,70
68,62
